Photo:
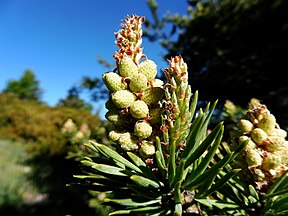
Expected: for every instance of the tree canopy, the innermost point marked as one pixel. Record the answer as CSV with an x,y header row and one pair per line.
x,y
27,87
235,50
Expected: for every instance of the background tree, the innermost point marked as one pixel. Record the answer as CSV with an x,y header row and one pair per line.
x,y
235,50
73,100
27,87
40,145
32,133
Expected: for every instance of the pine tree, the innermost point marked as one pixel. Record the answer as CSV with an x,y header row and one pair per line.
x,y
164,160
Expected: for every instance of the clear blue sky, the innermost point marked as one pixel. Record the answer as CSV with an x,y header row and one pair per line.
x,y
59,40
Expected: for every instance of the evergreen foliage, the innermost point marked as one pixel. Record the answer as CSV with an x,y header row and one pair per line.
x,y
178,166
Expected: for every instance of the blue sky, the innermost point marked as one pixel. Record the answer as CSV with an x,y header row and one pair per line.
x,y
59,40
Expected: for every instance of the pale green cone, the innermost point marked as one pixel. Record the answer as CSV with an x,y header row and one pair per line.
x,y
265,158
138,83
267,123
153,95
148,68
259,136
279,133
113,81
139,109
250,145
128,142
245,126
143,129
253,158
275,143
127,68
254,102
156,83
272,161
114,135
123,98
147,149
230,108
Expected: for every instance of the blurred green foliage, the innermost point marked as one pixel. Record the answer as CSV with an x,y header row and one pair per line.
x,y
13,175
46,150
27,87
39,125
